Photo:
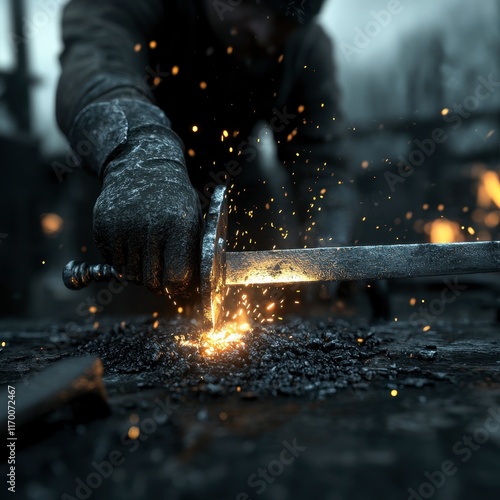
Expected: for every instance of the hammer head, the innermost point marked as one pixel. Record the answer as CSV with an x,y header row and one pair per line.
x,y
213,260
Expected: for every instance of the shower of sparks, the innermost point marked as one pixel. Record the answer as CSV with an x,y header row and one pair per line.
x,y
229,337
259,304
263,308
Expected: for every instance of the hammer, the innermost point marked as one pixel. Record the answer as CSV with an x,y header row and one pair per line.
x,y
220,269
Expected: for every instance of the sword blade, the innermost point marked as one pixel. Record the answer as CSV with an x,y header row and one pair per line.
x,y
361,263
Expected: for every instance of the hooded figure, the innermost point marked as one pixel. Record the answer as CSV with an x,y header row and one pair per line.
x,y
160,98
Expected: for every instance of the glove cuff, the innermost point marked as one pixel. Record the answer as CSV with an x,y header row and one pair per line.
x,y
102,129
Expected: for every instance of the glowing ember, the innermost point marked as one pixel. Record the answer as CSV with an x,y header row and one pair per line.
x,y
231,336
489,190
492,219
134,432
444,231
51,223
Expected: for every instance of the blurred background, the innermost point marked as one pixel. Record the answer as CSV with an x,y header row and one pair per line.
x,y
420,85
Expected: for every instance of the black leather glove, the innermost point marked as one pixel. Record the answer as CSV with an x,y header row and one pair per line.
x,y
147,218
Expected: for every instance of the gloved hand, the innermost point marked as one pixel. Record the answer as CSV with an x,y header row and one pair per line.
x,y
147,218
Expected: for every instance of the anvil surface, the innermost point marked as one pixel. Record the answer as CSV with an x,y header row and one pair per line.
x,y
207,425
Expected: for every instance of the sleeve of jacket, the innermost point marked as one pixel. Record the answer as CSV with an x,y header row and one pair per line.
x,y
312,140
99,60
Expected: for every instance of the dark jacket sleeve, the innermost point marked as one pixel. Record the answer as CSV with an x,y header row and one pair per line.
x,y
312,140
100,59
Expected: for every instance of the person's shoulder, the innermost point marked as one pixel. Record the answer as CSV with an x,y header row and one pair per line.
x,y
310,39
317,37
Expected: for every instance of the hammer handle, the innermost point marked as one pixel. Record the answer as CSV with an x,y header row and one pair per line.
x,y
78,275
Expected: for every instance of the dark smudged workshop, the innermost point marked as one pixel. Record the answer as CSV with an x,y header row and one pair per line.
x,y
249,249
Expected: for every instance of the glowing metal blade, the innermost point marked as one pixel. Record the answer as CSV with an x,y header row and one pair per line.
x,y
359,263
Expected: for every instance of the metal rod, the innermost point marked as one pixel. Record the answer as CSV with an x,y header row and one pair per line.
x,y
361,263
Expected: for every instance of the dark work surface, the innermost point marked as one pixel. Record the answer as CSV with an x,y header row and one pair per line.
x,y
209,424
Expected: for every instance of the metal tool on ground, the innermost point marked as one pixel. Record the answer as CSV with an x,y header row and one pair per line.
x,y
220,269
73,386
